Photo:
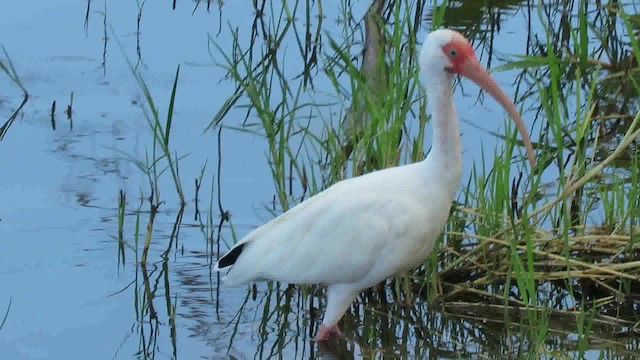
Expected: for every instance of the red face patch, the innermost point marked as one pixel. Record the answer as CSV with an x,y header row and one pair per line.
x,y
457,52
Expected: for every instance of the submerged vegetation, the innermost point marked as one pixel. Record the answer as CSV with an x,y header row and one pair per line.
x,y
533,263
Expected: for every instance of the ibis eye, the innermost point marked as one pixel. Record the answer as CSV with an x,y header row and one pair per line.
x,y
453,52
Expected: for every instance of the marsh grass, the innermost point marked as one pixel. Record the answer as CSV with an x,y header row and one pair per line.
x,y
122,203
52,115
533,263
69,111
554,257
161,152
7,68
152,283
151,287
536,245
6,314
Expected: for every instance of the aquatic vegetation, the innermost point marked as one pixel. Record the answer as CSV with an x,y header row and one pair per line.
x,y
7,68
540,264
6,314
525,244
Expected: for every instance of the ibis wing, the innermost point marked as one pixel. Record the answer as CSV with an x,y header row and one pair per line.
x,y
336,236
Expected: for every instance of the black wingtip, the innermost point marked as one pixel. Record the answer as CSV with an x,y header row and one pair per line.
x,y
230,258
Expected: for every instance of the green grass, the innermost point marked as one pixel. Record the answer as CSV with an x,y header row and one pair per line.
x,y
159,160
8,69
533,263
520,239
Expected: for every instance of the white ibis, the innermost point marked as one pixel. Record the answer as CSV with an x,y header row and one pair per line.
x,y
363,230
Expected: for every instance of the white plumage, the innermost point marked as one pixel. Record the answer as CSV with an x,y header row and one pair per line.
x,y
363,230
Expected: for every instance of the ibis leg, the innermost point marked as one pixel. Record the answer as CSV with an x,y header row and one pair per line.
x,y
339,298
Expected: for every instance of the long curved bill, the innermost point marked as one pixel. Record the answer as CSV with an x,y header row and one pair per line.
x,y
472,70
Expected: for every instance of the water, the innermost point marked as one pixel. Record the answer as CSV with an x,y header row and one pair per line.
x,y
71,296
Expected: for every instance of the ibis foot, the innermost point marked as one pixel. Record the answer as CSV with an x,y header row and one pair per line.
x,y
325,332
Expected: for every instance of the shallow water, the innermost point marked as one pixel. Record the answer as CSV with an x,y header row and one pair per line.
x,y
71,295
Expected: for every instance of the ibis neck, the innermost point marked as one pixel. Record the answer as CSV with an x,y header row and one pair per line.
x,y
446,151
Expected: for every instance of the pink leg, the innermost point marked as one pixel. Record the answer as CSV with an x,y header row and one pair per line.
x,y
339,298
325,332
